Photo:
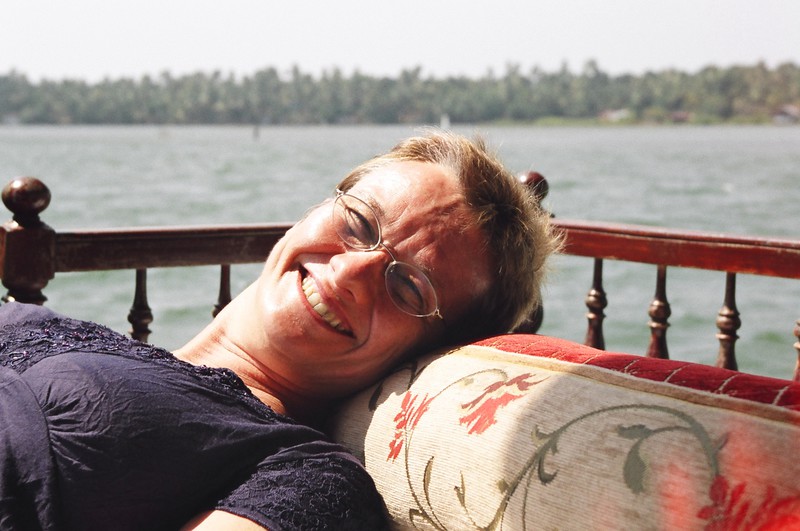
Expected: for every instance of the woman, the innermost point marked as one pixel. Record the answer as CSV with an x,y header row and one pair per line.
x,y
429,244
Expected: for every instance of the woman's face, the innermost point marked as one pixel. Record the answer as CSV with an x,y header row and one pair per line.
x,y
359,333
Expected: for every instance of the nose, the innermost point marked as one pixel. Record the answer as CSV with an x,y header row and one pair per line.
x,y
360,272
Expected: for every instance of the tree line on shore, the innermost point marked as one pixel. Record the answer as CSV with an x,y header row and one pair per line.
x,y
749,94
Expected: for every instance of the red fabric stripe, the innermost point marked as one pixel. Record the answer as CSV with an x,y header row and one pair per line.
x,y
775,391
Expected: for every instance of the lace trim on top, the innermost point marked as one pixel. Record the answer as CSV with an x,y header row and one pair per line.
x,y
23,345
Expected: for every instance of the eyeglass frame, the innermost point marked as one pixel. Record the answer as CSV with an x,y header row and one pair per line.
x,y
380,244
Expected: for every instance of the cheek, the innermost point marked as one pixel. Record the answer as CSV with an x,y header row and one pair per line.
x,y
313,233
397,335
274,257
315,224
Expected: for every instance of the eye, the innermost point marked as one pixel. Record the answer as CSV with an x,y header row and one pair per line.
x,y
410,290
359,228
407,294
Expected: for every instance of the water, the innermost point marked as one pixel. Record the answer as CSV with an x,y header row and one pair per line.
x,y
726,179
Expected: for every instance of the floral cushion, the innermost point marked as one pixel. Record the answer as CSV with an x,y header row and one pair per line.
x,y
529,432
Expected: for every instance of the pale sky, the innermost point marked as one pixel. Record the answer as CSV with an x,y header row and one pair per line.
x,y
94,39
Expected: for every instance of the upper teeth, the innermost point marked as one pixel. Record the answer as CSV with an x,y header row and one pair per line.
x,y
315,300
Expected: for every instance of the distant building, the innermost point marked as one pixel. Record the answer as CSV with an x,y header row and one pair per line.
x,y
615,115
787,114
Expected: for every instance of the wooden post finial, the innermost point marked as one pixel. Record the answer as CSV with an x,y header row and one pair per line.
x,y
536,183
26,198
27,245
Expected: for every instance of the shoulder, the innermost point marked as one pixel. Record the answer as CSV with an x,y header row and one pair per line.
x,y
15,313
316,484
21,327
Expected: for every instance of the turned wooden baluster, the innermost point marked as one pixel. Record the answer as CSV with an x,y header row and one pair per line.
x,y
659,314
140,315
224,296
728,323
596,302
797,348
27,245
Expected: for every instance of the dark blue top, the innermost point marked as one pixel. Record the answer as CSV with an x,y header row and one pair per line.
x,y
98,431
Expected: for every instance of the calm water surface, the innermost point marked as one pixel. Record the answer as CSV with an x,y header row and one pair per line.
x,y
727,179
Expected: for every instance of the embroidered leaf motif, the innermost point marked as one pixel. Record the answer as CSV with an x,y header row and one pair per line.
x,y
461,492
550,445
502,486
638,431
426,478
634,468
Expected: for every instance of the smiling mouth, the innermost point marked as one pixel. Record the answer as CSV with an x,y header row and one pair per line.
x,y
315,300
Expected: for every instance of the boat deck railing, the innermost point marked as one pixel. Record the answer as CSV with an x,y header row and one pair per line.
x,y
31,253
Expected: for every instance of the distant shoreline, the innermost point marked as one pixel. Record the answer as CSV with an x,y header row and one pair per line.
x,y
543,123
753,94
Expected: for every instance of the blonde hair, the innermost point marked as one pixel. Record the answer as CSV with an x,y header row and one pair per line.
x,y
517,232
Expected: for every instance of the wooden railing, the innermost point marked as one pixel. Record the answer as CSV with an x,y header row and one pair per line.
x,y
671,248
31,253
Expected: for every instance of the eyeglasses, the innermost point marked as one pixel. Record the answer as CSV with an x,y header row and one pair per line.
x,y
409,287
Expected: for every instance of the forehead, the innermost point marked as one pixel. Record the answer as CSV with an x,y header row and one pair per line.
x,y
432,189
425,218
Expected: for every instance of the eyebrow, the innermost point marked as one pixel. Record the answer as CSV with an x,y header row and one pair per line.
x,y
375,206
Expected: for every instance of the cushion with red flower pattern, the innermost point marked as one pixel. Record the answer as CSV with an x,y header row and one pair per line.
x,y
531,432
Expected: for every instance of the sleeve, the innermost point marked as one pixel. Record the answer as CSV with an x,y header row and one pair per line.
x,y
302,490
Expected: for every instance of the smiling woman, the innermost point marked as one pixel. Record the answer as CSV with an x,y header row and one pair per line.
x,y
413,253
354,328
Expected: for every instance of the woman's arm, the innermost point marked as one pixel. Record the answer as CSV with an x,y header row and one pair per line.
x,y
221,521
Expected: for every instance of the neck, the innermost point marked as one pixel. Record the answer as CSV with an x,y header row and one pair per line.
x,y
214,348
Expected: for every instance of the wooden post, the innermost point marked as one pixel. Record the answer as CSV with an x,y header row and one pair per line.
x,y
659,315
140,315
797,348
728,322
224,296
27,245
596,302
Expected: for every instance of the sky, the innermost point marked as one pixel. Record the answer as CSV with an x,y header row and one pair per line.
x,y
96,39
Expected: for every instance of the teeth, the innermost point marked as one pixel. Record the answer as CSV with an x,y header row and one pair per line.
x,y
320,307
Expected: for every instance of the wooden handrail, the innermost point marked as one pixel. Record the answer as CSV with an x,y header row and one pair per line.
x,y
682,248
732,254
31,253
132,248
138,248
